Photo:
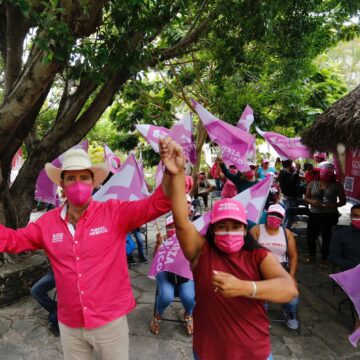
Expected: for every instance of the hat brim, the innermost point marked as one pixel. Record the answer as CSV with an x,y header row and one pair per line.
x,y
230,217
276,212
100,171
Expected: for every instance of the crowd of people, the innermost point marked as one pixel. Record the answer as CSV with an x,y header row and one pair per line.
x,y
237,266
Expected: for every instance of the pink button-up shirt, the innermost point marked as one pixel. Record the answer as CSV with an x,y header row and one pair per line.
x,y
89,262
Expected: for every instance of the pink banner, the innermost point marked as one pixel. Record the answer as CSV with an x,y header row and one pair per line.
x,y
352,175
16,164
287,148
45,190
170,257
234,142
246,119
349,281
127,184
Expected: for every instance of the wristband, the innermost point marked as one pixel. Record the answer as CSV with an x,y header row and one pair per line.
x,y
253,294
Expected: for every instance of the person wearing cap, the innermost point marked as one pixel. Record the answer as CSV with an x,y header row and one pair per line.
x,y
242,181
319,157
264,170
85,243
233,276
345,242
168,284
324,196
280,242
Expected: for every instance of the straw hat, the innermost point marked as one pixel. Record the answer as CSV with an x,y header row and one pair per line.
x,y
77,159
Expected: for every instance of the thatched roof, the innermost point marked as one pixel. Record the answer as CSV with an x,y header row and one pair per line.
x,y
340,123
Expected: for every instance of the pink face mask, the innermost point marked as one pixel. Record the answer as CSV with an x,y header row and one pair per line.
x,y
78,193
170,232
356,223
233,170
273,221
249,174
229,241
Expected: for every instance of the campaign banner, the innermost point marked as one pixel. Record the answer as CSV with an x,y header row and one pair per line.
x,y
152,134
16,164
234,142
169,257
352,175
349,281
287,148
127,184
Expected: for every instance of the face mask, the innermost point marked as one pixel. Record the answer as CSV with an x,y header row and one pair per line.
x,y
356,223
229,241
273,221
233,171
249,174
201,177
78,193
170,232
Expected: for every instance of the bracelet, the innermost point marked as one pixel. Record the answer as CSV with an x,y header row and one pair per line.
x,y
254,289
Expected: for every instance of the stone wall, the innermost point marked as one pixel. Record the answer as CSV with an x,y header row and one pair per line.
x,y
16,279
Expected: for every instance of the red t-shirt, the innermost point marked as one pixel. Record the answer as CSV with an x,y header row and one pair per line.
x,y
229,328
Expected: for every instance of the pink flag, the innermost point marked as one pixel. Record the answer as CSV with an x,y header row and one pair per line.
x,y
16,164
182,133
246,119
349,281
170,257
287,148
152,134
112,160
45,190
127,184
235,143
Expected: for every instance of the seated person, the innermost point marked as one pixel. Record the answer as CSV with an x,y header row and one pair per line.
x,y
280,242
168,284
345,242
203,188
39,292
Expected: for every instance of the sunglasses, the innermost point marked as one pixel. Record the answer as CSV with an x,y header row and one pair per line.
x,y
276,215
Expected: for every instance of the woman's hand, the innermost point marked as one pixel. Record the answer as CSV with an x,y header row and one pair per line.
x,y
226,284
172,156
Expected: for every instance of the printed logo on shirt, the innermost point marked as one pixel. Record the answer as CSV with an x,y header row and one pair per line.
x,y
98,231
57,237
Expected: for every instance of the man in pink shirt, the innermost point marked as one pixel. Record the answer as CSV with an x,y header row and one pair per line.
x,y
85,243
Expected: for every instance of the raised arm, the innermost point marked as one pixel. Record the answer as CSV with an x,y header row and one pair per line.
x,y
190,240
233,177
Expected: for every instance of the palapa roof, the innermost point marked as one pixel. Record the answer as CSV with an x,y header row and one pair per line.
x,y
339,123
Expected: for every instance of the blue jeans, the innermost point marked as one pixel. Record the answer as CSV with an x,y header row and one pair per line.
x,y
219,184
288,202
166,293
139,242
292,306
39,293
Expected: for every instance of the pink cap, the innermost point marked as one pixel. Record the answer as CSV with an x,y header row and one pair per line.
x,y
276,208
228,209
319,154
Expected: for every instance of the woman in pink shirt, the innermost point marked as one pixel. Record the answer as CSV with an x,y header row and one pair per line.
x,y
232,277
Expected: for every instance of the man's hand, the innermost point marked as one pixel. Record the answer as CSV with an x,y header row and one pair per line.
x,y
226,284
172,156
